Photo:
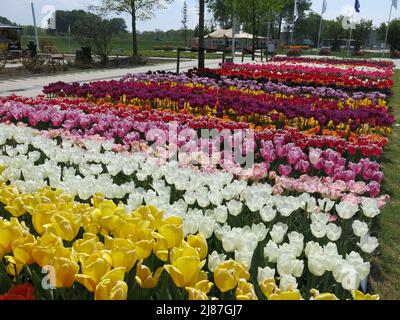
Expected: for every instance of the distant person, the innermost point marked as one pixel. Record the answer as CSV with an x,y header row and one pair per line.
x,y
271,49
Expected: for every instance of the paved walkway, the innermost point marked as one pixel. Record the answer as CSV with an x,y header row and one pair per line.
x,y
32,86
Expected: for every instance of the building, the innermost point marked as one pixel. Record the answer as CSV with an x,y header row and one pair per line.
x,y
11,36
222,39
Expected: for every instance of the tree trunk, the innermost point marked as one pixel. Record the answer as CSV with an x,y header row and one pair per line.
x,y
134,35
186,44
280,27
253,55
201,34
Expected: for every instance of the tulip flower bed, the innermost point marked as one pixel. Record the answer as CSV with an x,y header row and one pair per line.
x,y
345,75
112,188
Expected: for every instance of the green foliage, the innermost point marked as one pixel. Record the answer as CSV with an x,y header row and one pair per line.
x,y
94,32
362,32
4,20
333,30
394,35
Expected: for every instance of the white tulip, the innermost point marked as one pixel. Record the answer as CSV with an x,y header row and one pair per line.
x,y
235,207
313,248
296,240
317,264
288,283
265,273
333,232
363,268
228,242
271,251
244,257
346,210
288,264
350,278
360,228
370,207
214,260
326,204
221,214
278,232
267,214
260,231
318,229
368,244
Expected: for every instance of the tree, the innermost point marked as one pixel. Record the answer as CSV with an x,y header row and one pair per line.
x,y
333,31
118,25
254,13
308,27
137,9
286,14
222,12
4,20
185,20
94,32
201,33
362,32
394,35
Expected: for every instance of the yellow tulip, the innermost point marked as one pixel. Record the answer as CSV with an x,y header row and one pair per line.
x,y
287,295
185,266
268,287
65,267
144,277
150,214
66,225
358,295
123,254
322,296
16,207
107,215
41,216
14,267
88,244
94,268
10,231
199,243
112,286
22,249
245,291
200,290
44,249
228,273
160,247
144,249
172,230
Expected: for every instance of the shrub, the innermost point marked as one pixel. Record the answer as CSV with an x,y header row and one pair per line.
x,y
325,52
294,52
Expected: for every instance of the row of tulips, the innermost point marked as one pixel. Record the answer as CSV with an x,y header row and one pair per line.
x,y
261,109
344,63
102,250
241,153
345,70
324,186
34,160
40,111
315,74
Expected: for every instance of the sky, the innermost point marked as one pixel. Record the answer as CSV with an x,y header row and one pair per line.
x,y
19,11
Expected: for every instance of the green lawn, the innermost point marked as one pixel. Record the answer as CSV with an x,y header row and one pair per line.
x,y
121,43
386,267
